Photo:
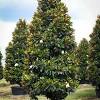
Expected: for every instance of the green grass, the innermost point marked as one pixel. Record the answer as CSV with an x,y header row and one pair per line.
x,y
83,92
3,82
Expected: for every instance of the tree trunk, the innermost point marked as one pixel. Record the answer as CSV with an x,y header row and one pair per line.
x,y
98,91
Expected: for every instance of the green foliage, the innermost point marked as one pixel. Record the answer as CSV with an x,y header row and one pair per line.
x,y
15,53
51,88
50,58
1,67
82,60
9,61
94,57
94,54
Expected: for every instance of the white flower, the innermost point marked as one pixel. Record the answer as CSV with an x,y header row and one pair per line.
x,y
41,77
16,64
37,59
48,29
41,41
87,61
62,52
67,85
87,55
31,66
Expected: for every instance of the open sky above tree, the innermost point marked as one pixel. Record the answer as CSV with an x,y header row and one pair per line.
x,y
83,13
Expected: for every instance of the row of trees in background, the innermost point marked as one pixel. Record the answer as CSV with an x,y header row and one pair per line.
x,y
94,57
1,67
44,58
82,60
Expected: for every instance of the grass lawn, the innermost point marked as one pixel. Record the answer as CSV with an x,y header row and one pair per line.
x,y
84,92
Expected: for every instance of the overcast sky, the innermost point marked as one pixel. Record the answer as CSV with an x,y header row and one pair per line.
x,y
83,13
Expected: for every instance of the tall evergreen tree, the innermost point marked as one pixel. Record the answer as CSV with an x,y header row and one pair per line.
x,y
9,62
94,56
50,54
1,67
15,53
82,58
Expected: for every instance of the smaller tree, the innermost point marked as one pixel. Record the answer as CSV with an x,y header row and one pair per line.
x,y
82,59
15,53
94,57
1,67
9,62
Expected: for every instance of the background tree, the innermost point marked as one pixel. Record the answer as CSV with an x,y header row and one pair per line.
x,y
82,58
15,53
9,62
50,54
1,67
94,56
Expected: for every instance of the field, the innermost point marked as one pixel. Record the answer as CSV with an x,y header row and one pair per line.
x,y
84,92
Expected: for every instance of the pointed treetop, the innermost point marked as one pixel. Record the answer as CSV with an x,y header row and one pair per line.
x,y
96,28
45,4
21,23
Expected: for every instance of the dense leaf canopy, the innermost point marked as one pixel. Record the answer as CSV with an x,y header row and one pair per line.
x,y
50,60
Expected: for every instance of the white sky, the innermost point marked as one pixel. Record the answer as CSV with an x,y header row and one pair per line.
x,y
83,13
